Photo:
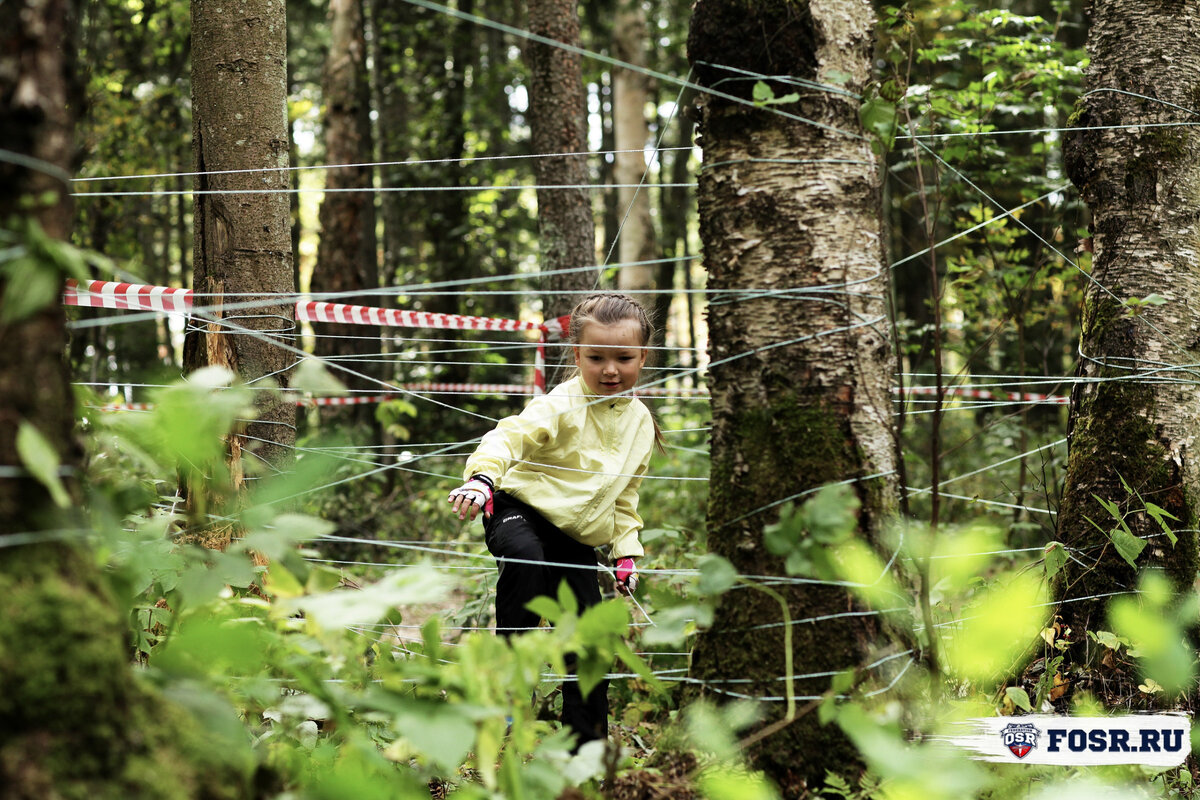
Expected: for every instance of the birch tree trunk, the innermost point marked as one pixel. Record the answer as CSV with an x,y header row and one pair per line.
x,y
630,93
557,108
242,244
346,262
800,386
1134,416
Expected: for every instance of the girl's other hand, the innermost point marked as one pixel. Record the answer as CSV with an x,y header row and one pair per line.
x,y
472,496
626,576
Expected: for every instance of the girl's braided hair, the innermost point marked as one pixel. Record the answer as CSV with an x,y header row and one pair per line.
x,y
608,308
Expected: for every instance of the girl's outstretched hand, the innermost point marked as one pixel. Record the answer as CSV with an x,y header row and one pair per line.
x,y
626,576
472,496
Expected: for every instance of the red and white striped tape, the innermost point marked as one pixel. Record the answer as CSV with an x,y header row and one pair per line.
x,y
109,294
458,388
140,297
315,311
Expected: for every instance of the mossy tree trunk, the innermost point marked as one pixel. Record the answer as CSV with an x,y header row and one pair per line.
x,y
242,240
346,260
800,385
557,105
74,720
1134,415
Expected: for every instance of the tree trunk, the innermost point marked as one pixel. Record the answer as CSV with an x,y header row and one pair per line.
x,y
37,103
800,388
630,92
74,721
346,253
1130,421
242,242
557,108
390,22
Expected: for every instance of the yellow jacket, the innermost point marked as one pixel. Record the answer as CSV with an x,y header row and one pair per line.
x,y
578,459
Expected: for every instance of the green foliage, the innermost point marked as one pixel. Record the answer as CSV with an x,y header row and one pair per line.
x,y
1154,626
41,459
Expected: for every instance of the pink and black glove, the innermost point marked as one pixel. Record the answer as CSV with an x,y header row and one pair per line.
x,y
626,576
472,496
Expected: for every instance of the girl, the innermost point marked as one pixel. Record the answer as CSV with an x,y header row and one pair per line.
x,y
562,477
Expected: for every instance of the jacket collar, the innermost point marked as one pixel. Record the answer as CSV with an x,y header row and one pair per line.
x,y
580,389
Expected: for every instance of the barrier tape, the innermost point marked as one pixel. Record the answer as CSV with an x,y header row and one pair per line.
x,y
141,297
133,296
464,388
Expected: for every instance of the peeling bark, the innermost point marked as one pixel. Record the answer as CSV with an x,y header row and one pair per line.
x,y
785,204
1132,420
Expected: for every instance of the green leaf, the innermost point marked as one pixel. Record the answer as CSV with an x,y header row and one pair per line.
x,y
736,784
1108,639
41,459
673,625
546,608
717,575
1161,515
344,607
878,117
287,531
1129,547
30,287
313,377
831,514
606,619
1019,697
1054,558
1109,506
438,730
764,95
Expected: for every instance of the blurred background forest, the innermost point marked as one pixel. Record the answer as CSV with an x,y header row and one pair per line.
x,y
418,116
444,106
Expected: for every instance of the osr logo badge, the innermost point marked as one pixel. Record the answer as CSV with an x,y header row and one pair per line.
x,y
1021,739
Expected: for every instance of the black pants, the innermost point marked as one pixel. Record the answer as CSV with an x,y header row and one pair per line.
x,y
515,530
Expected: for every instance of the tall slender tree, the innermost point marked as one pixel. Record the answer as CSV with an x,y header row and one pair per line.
x,y
630,95
557,108
1133,426
800,385
242,242
346,254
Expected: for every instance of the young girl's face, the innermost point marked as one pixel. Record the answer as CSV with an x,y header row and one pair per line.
x,y
610,357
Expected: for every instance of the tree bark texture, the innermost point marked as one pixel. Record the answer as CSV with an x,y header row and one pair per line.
x,y
557,108
630,93
346,259
242,244
392,24
1133,417
37,102
74,721
800,384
